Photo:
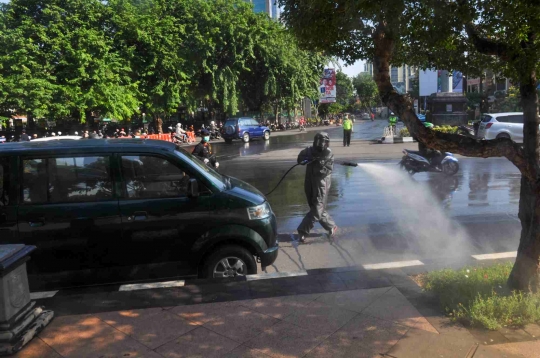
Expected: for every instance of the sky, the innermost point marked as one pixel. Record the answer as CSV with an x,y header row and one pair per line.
x,y
352,70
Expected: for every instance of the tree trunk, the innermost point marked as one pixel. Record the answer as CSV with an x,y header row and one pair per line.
x,y
526,270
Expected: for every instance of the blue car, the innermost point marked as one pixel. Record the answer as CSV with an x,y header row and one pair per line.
x,y
244,128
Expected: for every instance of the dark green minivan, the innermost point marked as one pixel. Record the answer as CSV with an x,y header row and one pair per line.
x,y
122,209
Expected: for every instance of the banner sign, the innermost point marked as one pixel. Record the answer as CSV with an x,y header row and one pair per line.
x,y
327,87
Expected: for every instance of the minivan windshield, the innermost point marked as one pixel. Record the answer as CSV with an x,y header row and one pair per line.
x,y
216,178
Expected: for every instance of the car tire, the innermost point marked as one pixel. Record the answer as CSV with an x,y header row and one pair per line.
x,y
503,135
266,135
245,137
228,140
229,261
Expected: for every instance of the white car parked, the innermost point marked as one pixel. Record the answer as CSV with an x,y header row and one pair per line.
x,y
502,125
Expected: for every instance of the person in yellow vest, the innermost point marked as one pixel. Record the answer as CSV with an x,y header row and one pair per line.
x,y
392,121
347,130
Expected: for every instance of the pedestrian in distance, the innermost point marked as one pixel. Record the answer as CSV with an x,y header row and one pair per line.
x,y
25,137
392,121
319,162
347,131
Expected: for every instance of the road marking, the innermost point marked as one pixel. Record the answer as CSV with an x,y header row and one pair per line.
x,y
396,264
266,276
40,295
146,286
498,255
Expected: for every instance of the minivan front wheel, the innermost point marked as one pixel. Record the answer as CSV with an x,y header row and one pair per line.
x,y
229,261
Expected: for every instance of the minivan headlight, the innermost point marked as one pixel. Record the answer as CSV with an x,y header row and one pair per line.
x,y
259,212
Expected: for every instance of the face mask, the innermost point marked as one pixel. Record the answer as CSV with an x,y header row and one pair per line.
x,y
206,139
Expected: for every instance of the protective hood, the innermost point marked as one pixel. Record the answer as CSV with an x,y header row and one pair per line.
x,y
321,141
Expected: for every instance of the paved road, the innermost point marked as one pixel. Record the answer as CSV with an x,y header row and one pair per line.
x,y
481,201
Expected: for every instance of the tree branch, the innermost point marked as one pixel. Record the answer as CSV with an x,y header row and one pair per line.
x,y
482,44
455,143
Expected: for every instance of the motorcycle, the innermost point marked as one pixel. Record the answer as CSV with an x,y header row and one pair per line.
x,y
215,134
414,162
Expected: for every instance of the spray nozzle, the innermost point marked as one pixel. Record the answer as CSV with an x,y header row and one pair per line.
x,y
350,164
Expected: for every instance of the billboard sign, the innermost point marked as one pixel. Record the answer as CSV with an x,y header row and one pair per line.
x,y
429,82
327,86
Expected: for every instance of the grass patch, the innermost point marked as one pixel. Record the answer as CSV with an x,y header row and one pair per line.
x,y
479,296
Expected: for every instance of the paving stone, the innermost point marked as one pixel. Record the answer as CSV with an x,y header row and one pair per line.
x,y
363,336
204,312
245,352
37,349
280,307
353,300
320,318
492,352
152,327
200,342
515,334
286,340
486,337
239,323
393,306
87,336
533,329
529,349
421,344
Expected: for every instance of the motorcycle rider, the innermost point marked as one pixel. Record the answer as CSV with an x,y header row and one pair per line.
x,y
320,162
434,156
180,132
203,150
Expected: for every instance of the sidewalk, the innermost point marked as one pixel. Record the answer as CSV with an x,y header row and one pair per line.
x,y
343,312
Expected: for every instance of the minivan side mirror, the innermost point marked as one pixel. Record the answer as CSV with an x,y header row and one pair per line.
x,y
193,188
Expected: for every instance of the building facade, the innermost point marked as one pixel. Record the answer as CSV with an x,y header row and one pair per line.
x,y
399,76
268,6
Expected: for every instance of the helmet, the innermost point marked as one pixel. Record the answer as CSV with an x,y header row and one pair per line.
x,y
391,113
76,133
321,141
204,132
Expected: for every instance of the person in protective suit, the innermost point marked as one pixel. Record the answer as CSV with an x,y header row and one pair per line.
x,y
203,150
320,162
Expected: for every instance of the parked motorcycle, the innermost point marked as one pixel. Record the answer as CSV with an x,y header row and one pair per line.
x,y
414,162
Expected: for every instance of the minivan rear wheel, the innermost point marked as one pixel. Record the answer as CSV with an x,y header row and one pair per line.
x,y
246,137
266,135
229,261
503,135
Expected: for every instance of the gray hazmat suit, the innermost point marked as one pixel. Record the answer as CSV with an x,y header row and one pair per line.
x,y
317,183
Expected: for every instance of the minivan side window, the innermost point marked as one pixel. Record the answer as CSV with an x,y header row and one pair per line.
x,y
153,177
4,181
66,180
516,118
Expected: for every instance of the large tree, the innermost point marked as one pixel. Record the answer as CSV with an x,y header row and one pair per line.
x,y
366,90
464,35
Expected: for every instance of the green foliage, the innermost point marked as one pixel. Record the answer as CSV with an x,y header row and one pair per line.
x,y
366,90
117,58
446,129
344,89
404,132
479,296
509,103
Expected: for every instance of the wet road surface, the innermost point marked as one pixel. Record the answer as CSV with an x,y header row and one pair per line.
x,y
482,199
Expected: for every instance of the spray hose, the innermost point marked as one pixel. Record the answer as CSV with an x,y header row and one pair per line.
x,y
348,164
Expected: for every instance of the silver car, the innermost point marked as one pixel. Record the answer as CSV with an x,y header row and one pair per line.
x,y
502,125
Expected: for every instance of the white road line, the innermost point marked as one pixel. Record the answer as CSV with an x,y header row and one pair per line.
x,y
396,264
498,255
266,276
40,295
146,286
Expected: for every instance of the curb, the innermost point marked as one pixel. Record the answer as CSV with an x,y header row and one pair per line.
x,y
395,140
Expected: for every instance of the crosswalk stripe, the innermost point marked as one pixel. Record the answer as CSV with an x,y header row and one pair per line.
x,y
498,255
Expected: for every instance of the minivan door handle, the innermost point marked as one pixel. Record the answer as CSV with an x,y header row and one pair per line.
x,y
138,216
